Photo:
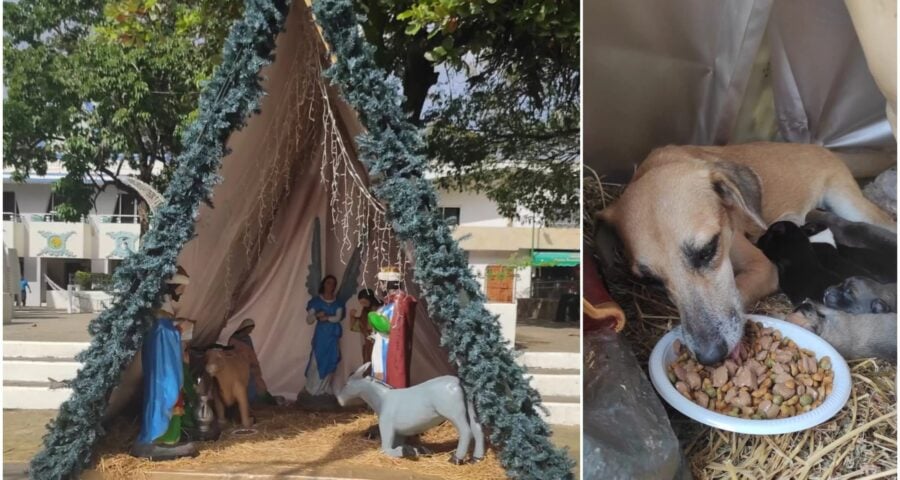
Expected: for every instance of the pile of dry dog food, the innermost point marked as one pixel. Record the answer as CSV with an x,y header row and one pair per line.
x,y
772,378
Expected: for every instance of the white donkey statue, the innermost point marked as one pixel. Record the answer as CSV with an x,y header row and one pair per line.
x,y
403,412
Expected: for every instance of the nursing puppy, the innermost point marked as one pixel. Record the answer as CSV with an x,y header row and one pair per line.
x,y
800,274
686,216
855,234
868,247
863,335
862,295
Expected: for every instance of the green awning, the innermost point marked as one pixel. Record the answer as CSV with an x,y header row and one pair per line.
x,y
555,259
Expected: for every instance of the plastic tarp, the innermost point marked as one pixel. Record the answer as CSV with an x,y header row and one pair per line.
x,y
699,72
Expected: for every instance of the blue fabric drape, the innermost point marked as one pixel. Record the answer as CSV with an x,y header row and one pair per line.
x,y
162,365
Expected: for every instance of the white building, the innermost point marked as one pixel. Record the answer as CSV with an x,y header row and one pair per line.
x,y
53,250
519,263
506,255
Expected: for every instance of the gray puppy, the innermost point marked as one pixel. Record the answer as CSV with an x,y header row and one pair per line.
x,y
862,335
862,295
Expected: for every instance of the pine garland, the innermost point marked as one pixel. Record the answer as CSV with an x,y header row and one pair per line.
x,y
228,99
392,150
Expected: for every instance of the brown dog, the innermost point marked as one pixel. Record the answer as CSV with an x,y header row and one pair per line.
x,y
232,373
690,216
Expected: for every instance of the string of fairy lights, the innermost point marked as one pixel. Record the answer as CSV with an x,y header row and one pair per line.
x,y
358,219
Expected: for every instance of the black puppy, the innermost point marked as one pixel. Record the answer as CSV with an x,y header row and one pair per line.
x,y
848,261
800,274
868,247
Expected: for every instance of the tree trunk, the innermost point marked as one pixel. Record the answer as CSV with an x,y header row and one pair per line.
x,y
418,77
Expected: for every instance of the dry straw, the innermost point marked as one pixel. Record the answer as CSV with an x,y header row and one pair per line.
x,y
300,442
857,443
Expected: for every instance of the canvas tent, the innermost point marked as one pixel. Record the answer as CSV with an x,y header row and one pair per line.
x,y
293,162
278,175
696,72
271,176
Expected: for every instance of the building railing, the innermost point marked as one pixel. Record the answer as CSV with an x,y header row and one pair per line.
x,y
53,217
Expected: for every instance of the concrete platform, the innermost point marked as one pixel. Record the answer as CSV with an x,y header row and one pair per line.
x,y
43,324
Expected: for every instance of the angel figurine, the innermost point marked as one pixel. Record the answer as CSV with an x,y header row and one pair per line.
x,y
326,309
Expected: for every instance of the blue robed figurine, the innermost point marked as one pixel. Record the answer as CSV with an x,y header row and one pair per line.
x,y
162,418
325,311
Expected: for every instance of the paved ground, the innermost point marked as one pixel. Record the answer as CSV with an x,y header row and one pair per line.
x,y
548,336
43,324
23,429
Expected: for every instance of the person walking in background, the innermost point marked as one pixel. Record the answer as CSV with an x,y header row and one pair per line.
x,y
24,290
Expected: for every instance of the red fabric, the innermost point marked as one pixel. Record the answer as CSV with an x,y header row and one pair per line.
x,y
401,335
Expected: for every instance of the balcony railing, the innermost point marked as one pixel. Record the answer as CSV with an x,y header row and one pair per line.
x,y
53,217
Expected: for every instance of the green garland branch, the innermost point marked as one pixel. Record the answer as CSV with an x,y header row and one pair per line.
x,y
228,99
393,152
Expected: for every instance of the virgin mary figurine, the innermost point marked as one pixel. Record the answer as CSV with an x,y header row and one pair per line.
x,y
325,311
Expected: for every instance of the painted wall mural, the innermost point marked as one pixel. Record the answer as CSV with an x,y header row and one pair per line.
x,y
56,244
125,244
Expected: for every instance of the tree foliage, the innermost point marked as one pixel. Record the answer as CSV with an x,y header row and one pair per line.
x,y
506,119
99,85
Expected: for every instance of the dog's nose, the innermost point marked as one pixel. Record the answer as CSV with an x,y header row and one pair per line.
x,y
712,353
831,295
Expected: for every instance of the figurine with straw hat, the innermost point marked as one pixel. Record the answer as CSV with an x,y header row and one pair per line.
x,y
162,361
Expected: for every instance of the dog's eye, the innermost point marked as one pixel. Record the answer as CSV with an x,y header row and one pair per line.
x,y
647,275
703,256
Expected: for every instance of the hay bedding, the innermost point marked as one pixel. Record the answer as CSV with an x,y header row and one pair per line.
x,y
858,443
302,441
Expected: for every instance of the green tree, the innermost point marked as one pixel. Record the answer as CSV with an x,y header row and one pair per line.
x,y
508,120
99,85
102,84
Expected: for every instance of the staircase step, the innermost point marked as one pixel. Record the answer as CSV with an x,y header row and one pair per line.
x,y
563,360
39,370
567,384
551,371
33,395
564,410
42,350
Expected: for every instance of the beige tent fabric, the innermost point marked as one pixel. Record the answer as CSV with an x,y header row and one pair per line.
x,y
251,256
875,22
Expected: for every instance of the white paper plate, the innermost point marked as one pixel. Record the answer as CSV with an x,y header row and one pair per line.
x,y
663,354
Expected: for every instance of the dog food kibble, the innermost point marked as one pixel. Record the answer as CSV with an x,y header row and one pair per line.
x,y
772,378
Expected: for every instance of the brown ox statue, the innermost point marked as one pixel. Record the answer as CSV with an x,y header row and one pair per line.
x,y
232,373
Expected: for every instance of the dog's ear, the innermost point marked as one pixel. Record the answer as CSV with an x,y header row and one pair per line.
x,y
361,371
740,190
605,240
